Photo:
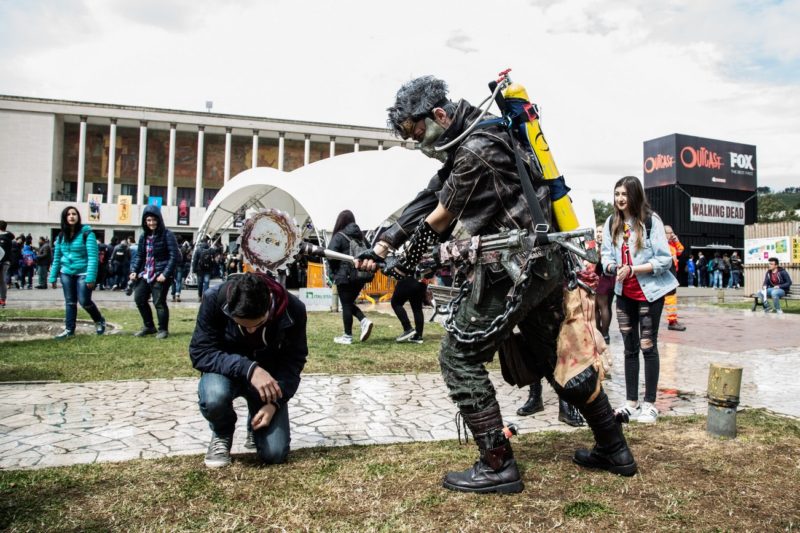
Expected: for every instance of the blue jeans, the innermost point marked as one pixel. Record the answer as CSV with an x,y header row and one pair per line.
x,y
76,291
203,281
216,393
734,279
776,293
177,283
716,282
690,279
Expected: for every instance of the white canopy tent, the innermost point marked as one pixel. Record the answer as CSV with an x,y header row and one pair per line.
x,y
374,185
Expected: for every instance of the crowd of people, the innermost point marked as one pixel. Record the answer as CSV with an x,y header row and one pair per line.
x,y
250,335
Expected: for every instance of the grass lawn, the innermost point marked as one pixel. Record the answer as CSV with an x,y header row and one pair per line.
x,y
688,481
113,357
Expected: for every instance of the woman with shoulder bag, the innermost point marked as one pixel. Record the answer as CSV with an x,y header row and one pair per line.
x,y
346,278
635,248
75,260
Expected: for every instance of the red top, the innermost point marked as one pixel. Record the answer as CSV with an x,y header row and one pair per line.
x,y
630,285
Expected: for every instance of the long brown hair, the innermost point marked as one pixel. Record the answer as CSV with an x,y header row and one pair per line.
x,y
638,206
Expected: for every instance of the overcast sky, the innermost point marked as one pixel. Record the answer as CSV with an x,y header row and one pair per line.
x,y
606,74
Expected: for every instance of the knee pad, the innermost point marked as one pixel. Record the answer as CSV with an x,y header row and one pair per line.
x,y
578,390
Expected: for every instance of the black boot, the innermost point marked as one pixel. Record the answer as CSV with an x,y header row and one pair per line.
x,y
569,414
534,403
610,452
496,470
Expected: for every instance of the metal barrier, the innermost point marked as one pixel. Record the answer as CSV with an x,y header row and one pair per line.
x,y
381,287
315,275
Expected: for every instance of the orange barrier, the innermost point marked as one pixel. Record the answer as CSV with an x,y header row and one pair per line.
x,y
315,275
381,287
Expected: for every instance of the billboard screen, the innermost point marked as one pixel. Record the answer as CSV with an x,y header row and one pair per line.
x,y
684,159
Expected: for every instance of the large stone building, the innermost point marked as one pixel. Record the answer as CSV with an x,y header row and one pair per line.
x,y
55,153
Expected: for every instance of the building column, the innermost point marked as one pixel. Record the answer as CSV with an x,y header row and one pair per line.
x,y
254,159
227,154
281,143
380,146
171,164
142,161
112,161
307,150
198,183
81,161
356,143
333,147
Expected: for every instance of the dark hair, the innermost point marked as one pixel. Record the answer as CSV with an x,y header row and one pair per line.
x,y
345,217
3,225
248,296
637,205
68,232
773,260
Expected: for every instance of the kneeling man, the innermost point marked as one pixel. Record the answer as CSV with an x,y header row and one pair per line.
x,y
250,341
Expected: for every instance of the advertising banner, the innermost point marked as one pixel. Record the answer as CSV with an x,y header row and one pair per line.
x,y
758,251
716,211
156,201
316,299
183,213
94,207
124,209
238,218
684,159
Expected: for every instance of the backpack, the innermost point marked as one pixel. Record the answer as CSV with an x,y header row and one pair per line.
x,y
711,266
121,252
206,261
29,260
353,275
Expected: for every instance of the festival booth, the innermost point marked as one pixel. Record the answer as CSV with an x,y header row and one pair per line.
x,y
705,189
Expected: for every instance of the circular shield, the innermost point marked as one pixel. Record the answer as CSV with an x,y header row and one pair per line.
x,y
269,240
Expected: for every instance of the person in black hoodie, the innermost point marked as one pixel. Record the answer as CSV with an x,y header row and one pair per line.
x,y
344,276
250,341
152,270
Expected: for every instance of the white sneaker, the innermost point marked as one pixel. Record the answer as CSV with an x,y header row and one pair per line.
x,y
649,413
631,412
779,311
343,339
366,329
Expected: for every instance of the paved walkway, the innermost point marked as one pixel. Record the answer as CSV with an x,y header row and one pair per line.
x,y
59,424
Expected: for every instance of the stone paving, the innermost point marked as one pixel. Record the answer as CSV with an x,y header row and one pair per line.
x,y
52,424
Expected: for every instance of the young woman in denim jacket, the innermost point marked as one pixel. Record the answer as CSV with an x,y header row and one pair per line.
x,y
641,262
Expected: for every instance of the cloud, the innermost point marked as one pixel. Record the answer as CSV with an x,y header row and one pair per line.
x,y
607,75
460,42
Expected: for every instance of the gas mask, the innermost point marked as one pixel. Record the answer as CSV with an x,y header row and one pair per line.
x,y
432,133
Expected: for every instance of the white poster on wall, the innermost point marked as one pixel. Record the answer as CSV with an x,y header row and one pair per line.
x,y
716,211
758,251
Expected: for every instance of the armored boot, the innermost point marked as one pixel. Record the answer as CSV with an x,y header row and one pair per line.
x,y
569,414
611,451
496,469
534,403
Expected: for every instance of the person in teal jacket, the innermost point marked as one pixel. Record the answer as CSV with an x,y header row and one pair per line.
x,y
75,260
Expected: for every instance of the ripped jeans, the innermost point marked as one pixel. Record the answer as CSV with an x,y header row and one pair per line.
x,y
638,323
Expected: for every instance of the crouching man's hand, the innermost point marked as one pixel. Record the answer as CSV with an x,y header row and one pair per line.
x,y
263,417
266,386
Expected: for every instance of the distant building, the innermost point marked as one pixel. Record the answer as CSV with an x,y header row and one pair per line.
x,y
55,153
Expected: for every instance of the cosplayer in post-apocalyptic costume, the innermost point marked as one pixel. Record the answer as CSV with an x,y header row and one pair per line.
x,y
479,186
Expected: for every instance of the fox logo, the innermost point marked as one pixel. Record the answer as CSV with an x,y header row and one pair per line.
x,y
742,161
